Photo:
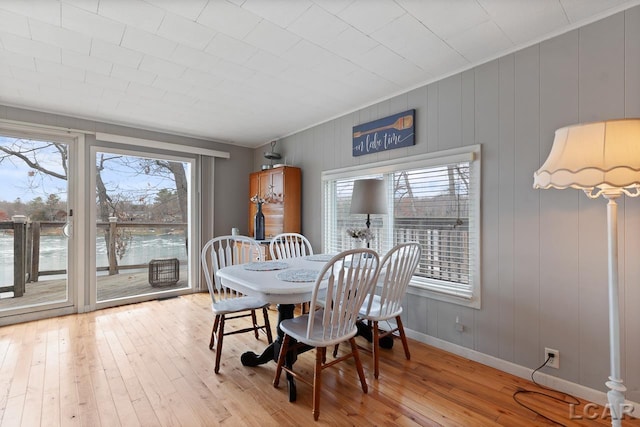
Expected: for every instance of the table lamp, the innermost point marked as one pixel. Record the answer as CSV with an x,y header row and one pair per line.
x,y
602,159
368,197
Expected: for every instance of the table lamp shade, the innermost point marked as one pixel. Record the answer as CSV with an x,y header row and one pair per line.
x,y
368,197
600,155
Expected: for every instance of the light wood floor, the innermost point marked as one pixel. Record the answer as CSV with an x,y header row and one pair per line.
x,y
149,364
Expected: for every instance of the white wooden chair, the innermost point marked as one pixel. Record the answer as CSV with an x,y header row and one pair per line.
x,y
385,302
348,277
228,304
290,245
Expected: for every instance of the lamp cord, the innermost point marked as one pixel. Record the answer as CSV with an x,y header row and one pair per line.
x,y
572,399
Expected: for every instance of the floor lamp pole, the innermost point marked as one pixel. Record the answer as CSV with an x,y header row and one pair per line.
x,y
616,391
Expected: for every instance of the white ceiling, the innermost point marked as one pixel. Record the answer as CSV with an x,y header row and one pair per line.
x,y
251,71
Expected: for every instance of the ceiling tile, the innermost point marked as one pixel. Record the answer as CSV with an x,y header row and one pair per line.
x,y
116,54
189,9
351,43
237,51
60,37
369,19
44,11
318,26
142,41
271,38
200,78
184,31
17,59
91,24
25,46
190,57
161,67
56,69
106,81
90,63
333,6
14,23
447,18
228,18
137,13
131,74
280,12
174,98
480,42
522,20
88,5
175,86
267,63
145,91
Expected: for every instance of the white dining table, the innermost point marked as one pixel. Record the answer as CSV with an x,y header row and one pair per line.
x,y
278,282
285,283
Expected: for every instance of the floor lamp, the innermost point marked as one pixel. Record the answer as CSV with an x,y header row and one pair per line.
x,y
601,158
368,197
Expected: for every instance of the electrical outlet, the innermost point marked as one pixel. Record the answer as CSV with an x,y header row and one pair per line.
x,y
553,356
459,326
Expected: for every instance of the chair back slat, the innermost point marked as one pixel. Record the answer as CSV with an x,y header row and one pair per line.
x,y
349,277
396,269
289,245
221,252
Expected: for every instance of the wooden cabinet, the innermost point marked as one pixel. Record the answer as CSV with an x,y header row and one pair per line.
x,y
282,187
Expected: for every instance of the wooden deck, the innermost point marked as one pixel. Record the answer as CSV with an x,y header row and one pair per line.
x,y
121,285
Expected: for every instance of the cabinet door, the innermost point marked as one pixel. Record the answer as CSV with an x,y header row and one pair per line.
x,y
274,210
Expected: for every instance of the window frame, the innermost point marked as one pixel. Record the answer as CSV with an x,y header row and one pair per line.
x,y
430,288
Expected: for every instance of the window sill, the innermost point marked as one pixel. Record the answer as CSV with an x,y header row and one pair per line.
x,y
423,291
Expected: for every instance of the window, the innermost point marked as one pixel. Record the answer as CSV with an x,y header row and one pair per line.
x,y
432,199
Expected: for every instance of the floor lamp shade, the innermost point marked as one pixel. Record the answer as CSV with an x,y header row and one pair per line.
x,y
601,155
368,197
601,158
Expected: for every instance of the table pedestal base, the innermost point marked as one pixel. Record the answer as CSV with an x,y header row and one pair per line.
x,y
271,352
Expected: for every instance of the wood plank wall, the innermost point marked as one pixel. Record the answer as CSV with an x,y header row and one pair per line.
x,y
544,268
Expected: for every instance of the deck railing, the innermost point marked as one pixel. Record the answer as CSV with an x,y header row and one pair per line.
x,y
444,243
26,247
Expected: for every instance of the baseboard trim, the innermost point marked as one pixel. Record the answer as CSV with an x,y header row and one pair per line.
x,y
542,378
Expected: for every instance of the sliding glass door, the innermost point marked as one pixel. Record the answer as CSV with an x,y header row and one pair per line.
x,y
35,221
142,225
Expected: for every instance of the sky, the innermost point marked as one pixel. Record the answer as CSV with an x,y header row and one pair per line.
x,y
17,179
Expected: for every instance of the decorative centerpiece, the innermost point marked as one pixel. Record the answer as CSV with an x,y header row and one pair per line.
x,y
258,219
361,234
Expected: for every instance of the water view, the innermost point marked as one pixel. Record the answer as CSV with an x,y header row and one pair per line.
x,y
53,252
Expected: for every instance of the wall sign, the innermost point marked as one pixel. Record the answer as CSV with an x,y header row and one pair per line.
x,y
384,134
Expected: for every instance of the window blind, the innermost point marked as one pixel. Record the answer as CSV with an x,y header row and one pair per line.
x,y
435,203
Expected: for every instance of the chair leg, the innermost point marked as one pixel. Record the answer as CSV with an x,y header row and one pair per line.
x,y
356,357
255,323
317,381
267,325
284,348
403,337
219,344
376,350
216,321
